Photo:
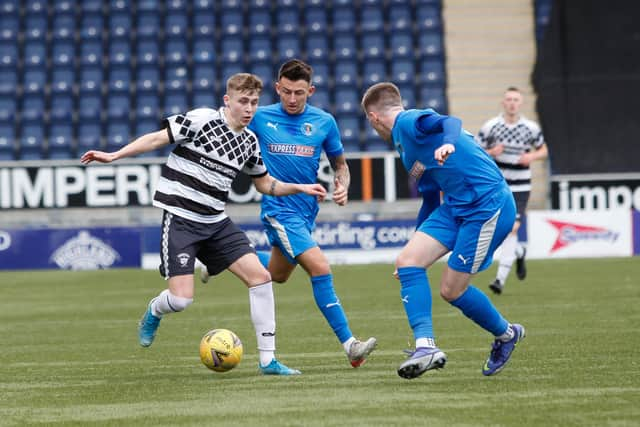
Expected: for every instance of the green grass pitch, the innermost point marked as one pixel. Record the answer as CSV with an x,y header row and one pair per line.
x,y
69,354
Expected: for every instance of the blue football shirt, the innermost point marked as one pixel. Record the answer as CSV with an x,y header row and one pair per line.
x,y
467,178
291,145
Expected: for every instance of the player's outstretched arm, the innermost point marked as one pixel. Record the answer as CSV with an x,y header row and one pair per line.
x,y
147,142
267,184
342,180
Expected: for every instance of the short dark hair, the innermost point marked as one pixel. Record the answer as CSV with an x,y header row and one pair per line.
x,y
295,70
512,89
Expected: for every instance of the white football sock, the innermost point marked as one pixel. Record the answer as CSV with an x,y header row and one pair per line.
x,y
426,342
347,344
263,316
508,334
507,257
166,302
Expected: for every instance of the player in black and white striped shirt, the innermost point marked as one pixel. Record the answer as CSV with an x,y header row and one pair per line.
x,y
211,148
514,142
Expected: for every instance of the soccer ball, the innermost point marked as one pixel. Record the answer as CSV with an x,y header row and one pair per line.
x,y
220,350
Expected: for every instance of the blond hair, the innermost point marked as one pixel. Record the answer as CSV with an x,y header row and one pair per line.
x,y
244,82
381,96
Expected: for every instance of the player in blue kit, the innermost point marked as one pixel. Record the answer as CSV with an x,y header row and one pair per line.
x,y
292,136
476,214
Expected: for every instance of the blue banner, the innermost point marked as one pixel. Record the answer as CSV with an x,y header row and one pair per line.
x,y
70,249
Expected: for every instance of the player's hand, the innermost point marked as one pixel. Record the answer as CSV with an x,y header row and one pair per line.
x,y
315,190
340,195
525,159
496,150
395,274
443,152
98,156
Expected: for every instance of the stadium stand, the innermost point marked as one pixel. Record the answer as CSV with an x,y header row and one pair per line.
x,y
141,60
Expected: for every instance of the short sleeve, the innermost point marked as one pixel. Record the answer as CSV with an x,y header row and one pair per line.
x,y
333,144
254,166
183,128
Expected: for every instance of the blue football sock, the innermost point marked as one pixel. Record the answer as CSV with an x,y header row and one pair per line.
x,y
416,296
329,305
264,257
478,307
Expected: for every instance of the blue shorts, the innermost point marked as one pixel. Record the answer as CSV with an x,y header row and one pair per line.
x,y
290,233
474,235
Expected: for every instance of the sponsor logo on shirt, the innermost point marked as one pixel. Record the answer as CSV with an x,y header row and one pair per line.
x,y
292,149
307,129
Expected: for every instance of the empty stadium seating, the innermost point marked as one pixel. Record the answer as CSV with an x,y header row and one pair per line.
x,y
139,61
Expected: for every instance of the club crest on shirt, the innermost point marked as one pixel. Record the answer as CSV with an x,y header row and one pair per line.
x,y
307,129
417,170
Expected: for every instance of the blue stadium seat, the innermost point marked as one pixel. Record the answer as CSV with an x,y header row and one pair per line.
x,y
119,79
430,44
346,101
436,3
143,127
400,18
120,25
346,73
403,71
91,52
91,26
345,46
7,109
432,72
286,4
147,79
371,3
373,72
371,19
287,21
204,50
200,6
7,141
147,52
408,95
227,70
401,45
63,25
428,18
91,6
89,106
175,102
35,27
89,135
60,140
372,141
315,20
33,107
372,45
321,99
63,53
62,80
349,127
61,106
232,50
288,47
204,99
9,54
32,141
231,23
118,106
119,53
259,22
148,5
433,97
175,6
91,79
176,52
204,78
117,135
267,97
175,77
317,47
344,19
116,6
176,25
204,24
8,81
9,27
265,71
320,78
35,54
10,6
147,106
259,4
260,49
313,3
147,24
34,80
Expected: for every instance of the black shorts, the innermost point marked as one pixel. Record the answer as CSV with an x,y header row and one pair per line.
x,y
216,245
522,200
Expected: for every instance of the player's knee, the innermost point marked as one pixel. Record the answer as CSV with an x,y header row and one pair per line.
x,y
177,303
260,276
279,277
406,260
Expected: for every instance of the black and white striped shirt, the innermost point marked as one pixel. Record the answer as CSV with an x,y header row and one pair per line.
x,y
520,137
195,181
